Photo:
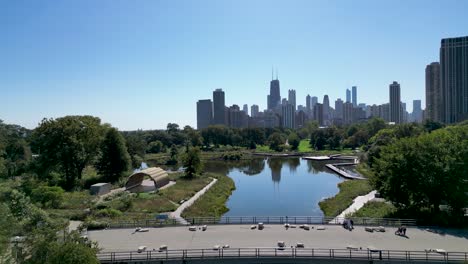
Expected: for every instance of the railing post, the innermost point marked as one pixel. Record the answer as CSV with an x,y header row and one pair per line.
x,y
131,255
350,255
239,252
167,255
202,253
275,252
313,253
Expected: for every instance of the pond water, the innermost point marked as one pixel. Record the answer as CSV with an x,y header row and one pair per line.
x,y
277,186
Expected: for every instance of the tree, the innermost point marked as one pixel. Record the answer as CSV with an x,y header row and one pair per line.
x,y
293,141
174,154
156,147
422,172
67,145
275,141
192,162
114,160
318,139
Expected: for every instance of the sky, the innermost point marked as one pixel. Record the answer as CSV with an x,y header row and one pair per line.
x,y
143,64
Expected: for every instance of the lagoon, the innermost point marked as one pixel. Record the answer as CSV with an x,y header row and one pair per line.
x,y
277,186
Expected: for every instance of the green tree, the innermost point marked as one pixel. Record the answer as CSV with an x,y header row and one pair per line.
x,y
423,172
318,139
67,145
155,147
293,141
114,160
192,162
48,196
275,141
174,154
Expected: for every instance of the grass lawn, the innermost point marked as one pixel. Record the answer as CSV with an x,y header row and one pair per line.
x,y
263,148
375,209
304,146
213,202
348,191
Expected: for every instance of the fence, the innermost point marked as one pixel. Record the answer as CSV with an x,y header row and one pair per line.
x,y
290,253
266,220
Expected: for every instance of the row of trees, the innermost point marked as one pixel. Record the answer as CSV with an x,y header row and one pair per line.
x,y
420,169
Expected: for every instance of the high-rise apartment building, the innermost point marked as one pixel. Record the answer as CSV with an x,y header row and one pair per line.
x,y
204,113
219,113
433,92
288,115
245,108
254,110
274,98
348,96
318,113
339,108
308,104
326,110
395,103
417,111
292,98
354,90
454,79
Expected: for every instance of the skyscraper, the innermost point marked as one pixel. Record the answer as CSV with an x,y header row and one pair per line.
x,y
339,108
313,102
254,110
454,79
245,108
417,111
318,113
288,114
433,92
308,103
274,98
326,110
348,96
354,96
204,113
395,103
219,108
292,98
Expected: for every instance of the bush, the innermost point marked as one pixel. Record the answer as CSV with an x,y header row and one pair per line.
x,y
108,212
48,196
95,225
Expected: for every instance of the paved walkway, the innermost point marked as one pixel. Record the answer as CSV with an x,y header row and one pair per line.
x,y
357,204
241,236
177,213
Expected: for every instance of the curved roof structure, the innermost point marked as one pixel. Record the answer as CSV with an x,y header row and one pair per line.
x,y
157,175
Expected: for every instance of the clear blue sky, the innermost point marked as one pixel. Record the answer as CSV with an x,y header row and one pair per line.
x,y
143,64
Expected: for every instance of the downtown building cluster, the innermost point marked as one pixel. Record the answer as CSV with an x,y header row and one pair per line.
x,y
446,100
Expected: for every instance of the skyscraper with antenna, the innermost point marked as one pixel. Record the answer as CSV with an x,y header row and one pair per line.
x,y
274,97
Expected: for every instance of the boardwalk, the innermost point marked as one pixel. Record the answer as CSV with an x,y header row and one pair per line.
x,y
177,213
343,173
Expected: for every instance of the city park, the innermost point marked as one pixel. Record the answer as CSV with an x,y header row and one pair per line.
x,y
176,210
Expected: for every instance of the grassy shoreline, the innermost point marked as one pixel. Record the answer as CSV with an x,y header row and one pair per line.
x,y
213,202
349,190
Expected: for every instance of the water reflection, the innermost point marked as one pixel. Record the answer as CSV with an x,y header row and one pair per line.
x,y
277,186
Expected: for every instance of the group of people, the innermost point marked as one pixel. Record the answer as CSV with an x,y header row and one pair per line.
x,y
401,231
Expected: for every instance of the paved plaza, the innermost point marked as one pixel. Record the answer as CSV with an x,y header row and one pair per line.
x,y
241,236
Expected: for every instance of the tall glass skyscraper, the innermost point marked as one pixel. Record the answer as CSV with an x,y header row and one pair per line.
x,y
354,88
219,112
454,79
395,103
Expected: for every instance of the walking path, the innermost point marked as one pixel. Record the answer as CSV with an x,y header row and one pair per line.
x,y
357,204
177,213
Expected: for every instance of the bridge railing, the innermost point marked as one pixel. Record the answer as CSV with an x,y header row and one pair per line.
x,y
236,253
311,220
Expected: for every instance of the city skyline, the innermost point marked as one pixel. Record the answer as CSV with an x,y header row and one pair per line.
x,y
130,67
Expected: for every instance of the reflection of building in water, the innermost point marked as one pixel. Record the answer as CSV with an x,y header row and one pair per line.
x,y
254,166
293,163
275,166
315,167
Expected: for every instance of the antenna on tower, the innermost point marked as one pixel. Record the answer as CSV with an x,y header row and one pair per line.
x,y
276,74
272,73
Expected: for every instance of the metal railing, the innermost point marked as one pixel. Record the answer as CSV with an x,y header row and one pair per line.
x,y
266,220
307,253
